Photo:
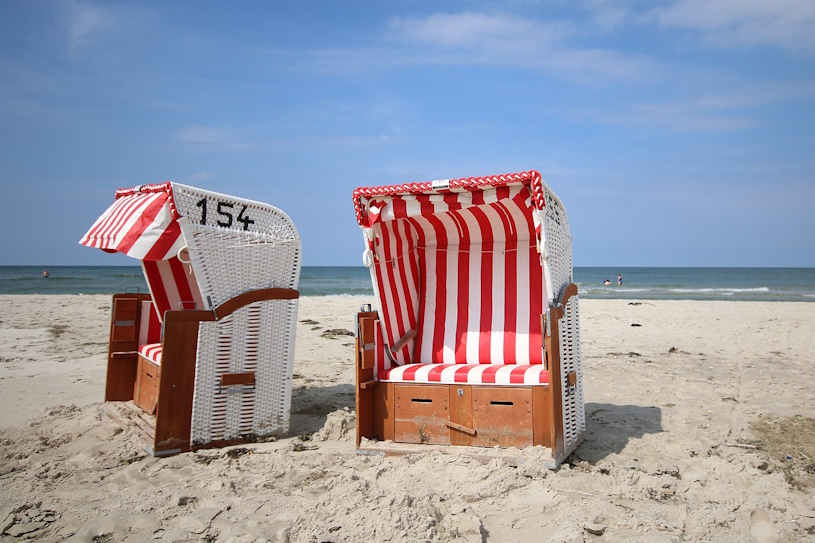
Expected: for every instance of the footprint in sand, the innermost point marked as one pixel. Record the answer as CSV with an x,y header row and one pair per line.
x,y
760,525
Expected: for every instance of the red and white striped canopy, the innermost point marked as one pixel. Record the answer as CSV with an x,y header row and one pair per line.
x,y
456,267
141,223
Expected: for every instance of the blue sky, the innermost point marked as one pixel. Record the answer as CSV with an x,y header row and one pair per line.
x,y
677,133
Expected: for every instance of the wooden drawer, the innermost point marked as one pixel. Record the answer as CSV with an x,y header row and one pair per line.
x,y
145,393
502,416
421,413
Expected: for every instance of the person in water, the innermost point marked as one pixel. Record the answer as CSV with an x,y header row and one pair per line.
x,y
45,273
606,282
619,280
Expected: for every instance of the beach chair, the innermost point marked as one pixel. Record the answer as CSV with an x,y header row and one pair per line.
x,y
205,358
476,337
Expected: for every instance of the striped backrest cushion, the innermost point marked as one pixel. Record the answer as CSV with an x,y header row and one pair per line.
x,y
150,325
172,284
462,270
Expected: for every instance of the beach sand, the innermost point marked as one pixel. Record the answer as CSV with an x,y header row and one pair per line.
x,y
699,428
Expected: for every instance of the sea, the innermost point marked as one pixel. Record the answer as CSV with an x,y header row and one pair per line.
x,y
742,284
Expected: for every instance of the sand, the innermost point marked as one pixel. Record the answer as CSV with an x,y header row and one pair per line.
x,y
700,428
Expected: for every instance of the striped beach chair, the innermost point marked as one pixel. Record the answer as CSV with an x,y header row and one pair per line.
x,y
205,358
475,338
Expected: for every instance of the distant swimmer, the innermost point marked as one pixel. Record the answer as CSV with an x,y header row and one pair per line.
x,y
619,280
45,273
606,282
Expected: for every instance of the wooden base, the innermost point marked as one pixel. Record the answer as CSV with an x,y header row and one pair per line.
x,y
470,415
409,417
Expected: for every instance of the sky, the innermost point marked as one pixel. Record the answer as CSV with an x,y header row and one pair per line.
x,y
676,133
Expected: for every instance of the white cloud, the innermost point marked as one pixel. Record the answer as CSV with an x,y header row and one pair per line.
x,y
85,20
201,176
356,141
196,134
712,113
507,40
199,139
787,24
607,15
500,34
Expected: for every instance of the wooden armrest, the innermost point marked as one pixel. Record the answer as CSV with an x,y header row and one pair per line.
x,y
261,295
556,313
569,291
232,305
410,334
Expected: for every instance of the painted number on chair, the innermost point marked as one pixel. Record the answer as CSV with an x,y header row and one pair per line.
x,y
225,214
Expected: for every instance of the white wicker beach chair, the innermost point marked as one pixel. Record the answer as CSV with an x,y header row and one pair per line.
x,y
207,355
476,339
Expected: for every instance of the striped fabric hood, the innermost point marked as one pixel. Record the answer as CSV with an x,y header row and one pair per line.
x,y
142,223
458,267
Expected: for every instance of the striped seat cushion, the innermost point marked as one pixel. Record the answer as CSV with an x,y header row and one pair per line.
x,y
152,352
471,374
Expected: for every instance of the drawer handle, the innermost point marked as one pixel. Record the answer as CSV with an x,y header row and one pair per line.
x,y
460,428
237,382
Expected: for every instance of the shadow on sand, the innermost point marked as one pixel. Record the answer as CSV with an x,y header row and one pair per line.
x,y
609,428
311,405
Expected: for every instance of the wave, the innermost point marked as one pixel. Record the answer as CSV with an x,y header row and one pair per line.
x,y
624,289
666,292
720,290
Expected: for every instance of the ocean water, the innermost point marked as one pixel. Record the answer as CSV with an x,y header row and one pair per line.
x,y
746,284
755,284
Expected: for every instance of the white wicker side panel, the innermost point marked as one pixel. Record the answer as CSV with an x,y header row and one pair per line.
x,y
556,247
257,338
574,413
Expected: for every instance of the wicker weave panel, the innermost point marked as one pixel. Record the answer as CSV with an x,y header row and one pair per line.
x,y
232,260
574,413
556,247
556,253
229,262
257,338
235,246
265,219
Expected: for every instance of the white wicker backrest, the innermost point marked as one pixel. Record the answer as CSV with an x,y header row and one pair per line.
x,y
236,245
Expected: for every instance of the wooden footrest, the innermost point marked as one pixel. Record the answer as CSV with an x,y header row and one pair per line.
x,y
145,391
